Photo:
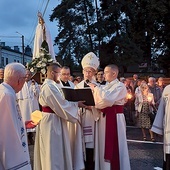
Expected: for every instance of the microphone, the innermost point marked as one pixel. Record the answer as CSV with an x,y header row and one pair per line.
x,y
87,81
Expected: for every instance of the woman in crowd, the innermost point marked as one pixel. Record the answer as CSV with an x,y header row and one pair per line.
x,y
143,106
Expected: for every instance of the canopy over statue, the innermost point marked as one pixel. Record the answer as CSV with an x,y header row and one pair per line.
x,y
42,33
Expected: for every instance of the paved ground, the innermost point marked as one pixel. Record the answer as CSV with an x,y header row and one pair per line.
x,y
144,155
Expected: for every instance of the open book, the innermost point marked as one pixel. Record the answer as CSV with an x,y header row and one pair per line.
x,y
75,95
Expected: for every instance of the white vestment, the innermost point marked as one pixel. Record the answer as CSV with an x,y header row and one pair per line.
x,y
39,39
75,139
13,141
113,93
28,99
52,147
85,134
161,123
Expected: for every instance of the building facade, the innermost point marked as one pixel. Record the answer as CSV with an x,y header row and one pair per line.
x,y
9,55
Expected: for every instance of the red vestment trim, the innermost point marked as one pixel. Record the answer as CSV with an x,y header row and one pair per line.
x,y
47,109
111,136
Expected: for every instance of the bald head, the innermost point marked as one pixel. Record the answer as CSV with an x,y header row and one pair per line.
x,y
53,71
114,68
52,67
111,72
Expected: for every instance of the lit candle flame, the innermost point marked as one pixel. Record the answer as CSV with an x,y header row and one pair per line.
x,y
129,96
149,98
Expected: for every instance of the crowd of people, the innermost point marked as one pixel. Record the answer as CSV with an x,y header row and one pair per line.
x,y
72,135
143,97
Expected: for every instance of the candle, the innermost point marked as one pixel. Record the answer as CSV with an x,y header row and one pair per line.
x,y
149,98
129,96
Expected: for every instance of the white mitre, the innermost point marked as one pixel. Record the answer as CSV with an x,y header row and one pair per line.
x,y
90,60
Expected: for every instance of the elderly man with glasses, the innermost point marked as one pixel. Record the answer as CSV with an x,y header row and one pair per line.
x,y
13,144
90,63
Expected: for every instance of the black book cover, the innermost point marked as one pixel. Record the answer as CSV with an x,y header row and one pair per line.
x,y
75,95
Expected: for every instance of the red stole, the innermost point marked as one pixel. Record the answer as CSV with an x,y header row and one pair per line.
x,y
47,109
111,136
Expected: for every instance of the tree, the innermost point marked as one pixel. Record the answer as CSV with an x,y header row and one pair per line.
x,y
74,38
121,32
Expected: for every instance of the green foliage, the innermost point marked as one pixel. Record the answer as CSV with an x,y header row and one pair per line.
x,y
121,32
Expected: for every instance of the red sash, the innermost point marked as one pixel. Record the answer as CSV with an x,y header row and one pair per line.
x,y
111,136
47,109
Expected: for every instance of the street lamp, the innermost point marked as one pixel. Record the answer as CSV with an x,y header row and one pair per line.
x,y
22,37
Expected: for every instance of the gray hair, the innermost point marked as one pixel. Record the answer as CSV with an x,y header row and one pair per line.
x,y
14,71
151,78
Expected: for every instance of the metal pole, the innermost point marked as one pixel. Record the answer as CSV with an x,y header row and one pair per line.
x,y
22,37
23,61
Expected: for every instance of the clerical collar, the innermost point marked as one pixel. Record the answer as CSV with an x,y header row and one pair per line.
x,y
86,83
102,83
65,83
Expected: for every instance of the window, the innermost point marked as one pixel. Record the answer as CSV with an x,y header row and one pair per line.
x,y
2,61
6,61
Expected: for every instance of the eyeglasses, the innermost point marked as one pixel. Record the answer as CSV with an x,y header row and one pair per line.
x,y
88,71
66,74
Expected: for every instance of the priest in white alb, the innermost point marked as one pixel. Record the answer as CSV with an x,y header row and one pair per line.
x,y
111,151
14,154
28,101
161,124
89,116
28,97
52,146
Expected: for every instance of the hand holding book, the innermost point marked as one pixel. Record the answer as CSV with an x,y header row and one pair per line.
x,y
76,95
81,104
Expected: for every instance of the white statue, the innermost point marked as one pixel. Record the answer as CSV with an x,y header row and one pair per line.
x,y
42,33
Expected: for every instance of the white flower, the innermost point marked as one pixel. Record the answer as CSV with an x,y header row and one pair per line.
x,y
34,62
50,60
44,60
32,70
43,64
43,70
38,65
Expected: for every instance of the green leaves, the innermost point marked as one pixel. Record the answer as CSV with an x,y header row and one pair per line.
x,y
121,32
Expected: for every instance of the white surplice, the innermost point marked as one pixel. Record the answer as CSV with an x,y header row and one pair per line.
x,y
161,123
52,147
14,153
85,134
113,93
75,139
28,99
